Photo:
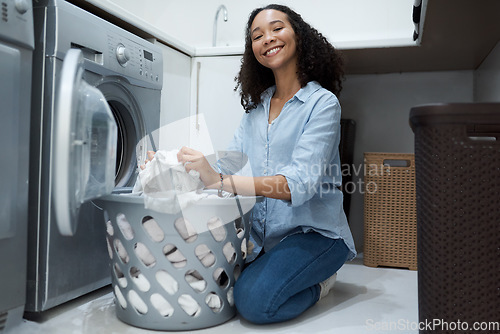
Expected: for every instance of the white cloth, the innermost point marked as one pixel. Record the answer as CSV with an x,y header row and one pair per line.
x,y
166,185
185,229
162,305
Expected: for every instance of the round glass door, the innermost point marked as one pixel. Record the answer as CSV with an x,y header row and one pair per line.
x,y
84,144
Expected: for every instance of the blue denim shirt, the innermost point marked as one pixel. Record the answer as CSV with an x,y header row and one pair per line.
x,y
302,144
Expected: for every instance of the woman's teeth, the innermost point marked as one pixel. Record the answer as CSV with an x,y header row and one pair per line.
x,y
272,51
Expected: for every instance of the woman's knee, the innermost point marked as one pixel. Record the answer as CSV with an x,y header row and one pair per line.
x,y
249,304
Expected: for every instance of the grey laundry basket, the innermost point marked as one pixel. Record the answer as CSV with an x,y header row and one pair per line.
x,y
153,288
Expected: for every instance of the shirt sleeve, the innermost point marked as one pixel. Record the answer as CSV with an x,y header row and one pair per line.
x,y
313,151
232,161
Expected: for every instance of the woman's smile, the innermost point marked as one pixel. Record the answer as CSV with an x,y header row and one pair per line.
x,y
273,51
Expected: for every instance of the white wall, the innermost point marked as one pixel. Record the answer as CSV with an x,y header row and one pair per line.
x,y
380,105
487,78
345,23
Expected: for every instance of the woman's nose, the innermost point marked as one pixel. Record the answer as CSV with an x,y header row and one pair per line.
x,y
268,38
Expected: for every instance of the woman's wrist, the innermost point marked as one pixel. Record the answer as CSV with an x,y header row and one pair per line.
x,y
213,180
221,186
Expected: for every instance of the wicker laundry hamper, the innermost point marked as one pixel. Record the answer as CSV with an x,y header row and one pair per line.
x,y
176,271
457,153
390,231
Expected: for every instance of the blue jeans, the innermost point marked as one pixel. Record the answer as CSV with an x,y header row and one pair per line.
x,y
283,282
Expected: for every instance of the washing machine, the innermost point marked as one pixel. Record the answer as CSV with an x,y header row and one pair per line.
x,y
96,103
16,47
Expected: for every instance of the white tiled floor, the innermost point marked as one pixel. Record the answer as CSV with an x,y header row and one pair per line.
x,y
363,300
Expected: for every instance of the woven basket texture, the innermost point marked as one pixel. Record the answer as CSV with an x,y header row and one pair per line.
x,y
390,231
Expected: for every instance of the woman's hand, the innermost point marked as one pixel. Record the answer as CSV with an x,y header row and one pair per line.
x,y
194,160
150,155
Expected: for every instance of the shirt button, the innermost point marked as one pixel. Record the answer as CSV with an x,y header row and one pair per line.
x,y
263,221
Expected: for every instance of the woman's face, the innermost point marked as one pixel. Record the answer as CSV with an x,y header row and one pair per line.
x,y
273,40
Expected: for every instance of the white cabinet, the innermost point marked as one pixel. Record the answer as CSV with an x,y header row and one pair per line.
x,y
199,89
214,97
176,95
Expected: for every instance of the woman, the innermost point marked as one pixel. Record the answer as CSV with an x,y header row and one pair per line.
x,y
291,134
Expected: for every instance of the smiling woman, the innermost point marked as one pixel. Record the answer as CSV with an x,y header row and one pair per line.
x,y
288,80
290,132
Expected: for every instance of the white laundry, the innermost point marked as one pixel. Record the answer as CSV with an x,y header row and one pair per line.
x,y
167,282
109,228
166,185
122,253
162,305
137,302
229,252
124,226
240,232
120,297
205,255
185,229
213,301
127,232
144,254
174,255
189,305
141,281
230,296
216,227
195,280
154,230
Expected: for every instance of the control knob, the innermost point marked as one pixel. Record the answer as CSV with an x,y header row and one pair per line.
x,y
122,55
22,6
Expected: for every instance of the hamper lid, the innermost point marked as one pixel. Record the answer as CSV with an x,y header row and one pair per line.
x,y
456,113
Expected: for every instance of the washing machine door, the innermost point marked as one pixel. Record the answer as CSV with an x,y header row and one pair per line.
x,y
84,144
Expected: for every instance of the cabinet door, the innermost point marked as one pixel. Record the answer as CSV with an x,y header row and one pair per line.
x,y
175,99
215,98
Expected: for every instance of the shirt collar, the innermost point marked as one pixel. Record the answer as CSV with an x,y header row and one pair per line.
x,y
303,94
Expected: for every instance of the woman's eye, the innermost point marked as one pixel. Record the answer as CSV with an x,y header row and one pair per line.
x,y
278,29
257,37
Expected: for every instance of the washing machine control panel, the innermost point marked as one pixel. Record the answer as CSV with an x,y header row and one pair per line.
x,y
142,61
16,22
108,50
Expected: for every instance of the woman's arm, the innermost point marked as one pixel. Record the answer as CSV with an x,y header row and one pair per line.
x,y
275,186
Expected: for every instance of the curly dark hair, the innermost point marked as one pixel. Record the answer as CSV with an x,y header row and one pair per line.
x,y
317,60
